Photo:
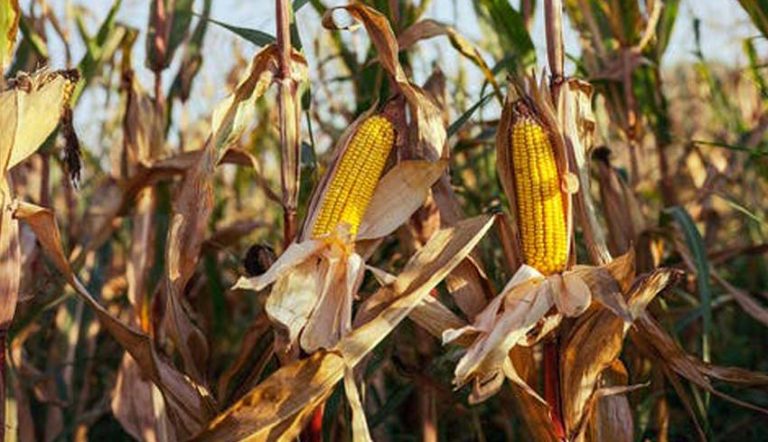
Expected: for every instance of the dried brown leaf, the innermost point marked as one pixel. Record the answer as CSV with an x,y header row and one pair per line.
x,y
612,419
745,301
29,113
578,124
194,203
652,336
592,346
10,259
188,404
279,406
620,207
427,139
428,28
132,402
140,254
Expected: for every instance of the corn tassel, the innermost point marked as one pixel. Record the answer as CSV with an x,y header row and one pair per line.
x,y
539,199
354,181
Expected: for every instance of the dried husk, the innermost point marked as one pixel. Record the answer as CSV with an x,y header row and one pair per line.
x,y
317,279
522,315
278,408
578,125
594,343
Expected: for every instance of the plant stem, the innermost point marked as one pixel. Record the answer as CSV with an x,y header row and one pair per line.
x,y
553,22
288,107
552,385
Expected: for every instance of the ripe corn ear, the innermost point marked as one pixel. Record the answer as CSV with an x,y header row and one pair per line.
x,y
539,199
351,188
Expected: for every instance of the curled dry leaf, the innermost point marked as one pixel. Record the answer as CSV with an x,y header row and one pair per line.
x,y
498,328
745,301
10,260
620,206
194,203
578,125
259,329
132,403
430,314
236,112
612,418
142,126
29,111
654,339
427,139
143,145
594,343
468,283
279,406
188,404
117,198
360,432
518,316
428,28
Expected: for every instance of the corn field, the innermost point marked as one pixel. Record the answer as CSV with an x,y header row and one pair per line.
x,y
383,220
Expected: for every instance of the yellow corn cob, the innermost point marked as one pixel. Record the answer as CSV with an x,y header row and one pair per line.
x,y
354,180
540,213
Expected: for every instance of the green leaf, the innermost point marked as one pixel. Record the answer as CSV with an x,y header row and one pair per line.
x,y
510,27
758,12
182,18
754,67
98,49
695,244
666,26
259,38
456,125
192,59
298,4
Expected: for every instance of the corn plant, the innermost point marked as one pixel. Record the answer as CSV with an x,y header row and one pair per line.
x,y
385,226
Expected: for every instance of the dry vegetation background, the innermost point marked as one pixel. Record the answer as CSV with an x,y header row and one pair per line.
x,y
164,220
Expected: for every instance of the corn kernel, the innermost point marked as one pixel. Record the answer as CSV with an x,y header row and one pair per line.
x,y
539,200
354,181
